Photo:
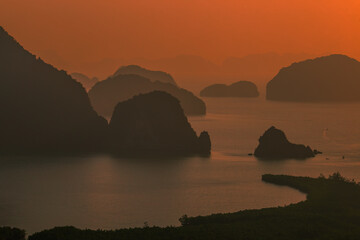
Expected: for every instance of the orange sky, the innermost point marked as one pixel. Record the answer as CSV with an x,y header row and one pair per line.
x,y
93,30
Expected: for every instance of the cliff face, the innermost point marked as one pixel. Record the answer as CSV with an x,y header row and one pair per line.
x,y
106,94
238,89
43,109
325,79
154,76
154,123
274,145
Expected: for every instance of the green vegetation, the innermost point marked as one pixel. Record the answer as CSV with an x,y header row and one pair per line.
x,y
331,211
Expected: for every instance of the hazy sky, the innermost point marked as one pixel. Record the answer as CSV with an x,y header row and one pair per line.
x,y
91,30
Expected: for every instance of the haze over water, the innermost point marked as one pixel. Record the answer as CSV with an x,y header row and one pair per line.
x,y
108,193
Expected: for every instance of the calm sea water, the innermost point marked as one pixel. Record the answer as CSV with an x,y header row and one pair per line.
x,y
108,193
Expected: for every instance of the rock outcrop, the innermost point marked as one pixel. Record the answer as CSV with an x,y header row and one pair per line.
x,y
238,89
106,94
87,82
334,78
154,124
274,145
43,109
154,76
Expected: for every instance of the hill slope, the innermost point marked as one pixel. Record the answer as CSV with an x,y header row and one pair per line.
x,y
43,109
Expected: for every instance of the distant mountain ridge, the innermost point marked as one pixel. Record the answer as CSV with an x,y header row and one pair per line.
x,y
84,80
195,72
154,76
106,94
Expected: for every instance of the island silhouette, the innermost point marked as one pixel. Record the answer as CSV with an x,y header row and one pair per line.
x,y
333,78
143,120
154,123
273,144
106,94
238,89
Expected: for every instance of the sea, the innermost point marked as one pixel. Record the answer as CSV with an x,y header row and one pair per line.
x,y
104,192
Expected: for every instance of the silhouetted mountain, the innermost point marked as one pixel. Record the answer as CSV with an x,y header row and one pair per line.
x,y
43,109
87,82
330,78
154,76
238,89
51,57
191,71
204,143
154,123
274,145
106,94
